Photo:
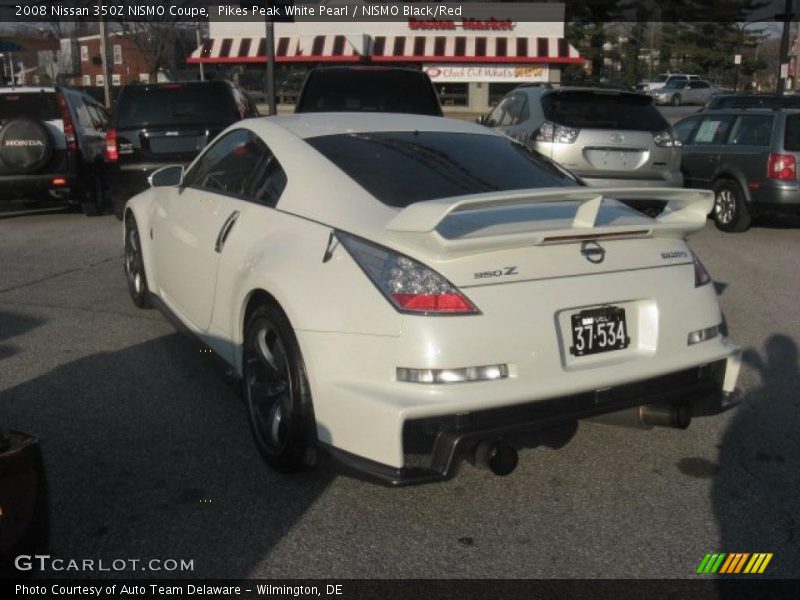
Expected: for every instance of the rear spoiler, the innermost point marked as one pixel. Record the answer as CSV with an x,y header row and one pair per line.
x,y
686,211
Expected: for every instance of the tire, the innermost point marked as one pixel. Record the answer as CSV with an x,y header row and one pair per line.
x,y
731,212
134,265
93,199
676,100
276,392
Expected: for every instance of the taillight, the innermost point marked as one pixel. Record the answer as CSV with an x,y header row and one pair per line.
x,y
408,285
665,139
781,166
112,149
701,274
69,126
550,132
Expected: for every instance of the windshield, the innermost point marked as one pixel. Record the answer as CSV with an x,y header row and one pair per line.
x,y
175,104
403,167
594,110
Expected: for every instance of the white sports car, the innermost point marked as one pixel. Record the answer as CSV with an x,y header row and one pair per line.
x,y
403,292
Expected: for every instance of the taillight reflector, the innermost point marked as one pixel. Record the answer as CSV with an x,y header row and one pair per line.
x,y
69,126
58,181
452,302
781,166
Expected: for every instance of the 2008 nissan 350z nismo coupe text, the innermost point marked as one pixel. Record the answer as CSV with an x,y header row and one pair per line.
x,y
403,292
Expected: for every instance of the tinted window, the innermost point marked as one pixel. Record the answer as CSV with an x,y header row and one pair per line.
x,y
370,90
42,106
712,130
229,164
684,128
269,182
603,111
175,104
752,130
400,168
791,140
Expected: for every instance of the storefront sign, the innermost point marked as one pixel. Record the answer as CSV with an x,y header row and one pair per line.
x,y
486,73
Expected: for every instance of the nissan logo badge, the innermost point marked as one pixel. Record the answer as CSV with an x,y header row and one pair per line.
x,y
593,252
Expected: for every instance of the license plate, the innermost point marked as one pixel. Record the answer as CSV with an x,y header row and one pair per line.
x,y
598,330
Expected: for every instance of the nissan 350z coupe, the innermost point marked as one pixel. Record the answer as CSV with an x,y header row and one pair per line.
x,y
403,292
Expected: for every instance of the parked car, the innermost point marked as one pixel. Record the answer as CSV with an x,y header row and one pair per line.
x,y
606,137
718,101
23,499
660,81
51,146
403,291
166,123
748,157
368,89
681,92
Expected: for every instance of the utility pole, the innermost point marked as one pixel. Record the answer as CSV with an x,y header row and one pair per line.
x,y
783,62
104,59
199,42
270,82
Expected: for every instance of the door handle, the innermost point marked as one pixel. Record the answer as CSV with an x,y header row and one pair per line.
x,y
226,229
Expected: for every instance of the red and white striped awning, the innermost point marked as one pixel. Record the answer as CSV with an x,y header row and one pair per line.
x,y
296,48
402,48
473,49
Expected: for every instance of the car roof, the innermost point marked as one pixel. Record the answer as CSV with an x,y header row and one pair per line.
x,y
308,125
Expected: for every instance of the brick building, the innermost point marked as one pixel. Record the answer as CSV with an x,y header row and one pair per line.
x,y
125,61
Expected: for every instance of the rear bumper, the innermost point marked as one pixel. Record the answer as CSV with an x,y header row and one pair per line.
x,y
434,446
128,180
772,196
671,179
47,185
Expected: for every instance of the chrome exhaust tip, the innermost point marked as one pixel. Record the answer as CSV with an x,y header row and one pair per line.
x,y
497,456
647,416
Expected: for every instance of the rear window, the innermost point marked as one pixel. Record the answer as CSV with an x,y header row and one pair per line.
x,y
175,104
791,140
400,168
42,106
603,111
369,91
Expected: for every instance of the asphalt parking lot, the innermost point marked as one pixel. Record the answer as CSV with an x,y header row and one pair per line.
x,y
149,455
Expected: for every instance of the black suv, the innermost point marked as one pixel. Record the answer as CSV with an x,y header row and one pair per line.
x,y
164,124
368,89
51,146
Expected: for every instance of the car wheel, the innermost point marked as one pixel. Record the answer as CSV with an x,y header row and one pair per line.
x,y
676,100
277,393
134,265
730,210
95,194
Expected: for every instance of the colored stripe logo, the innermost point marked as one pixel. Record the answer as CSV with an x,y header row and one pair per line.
x,y
734,562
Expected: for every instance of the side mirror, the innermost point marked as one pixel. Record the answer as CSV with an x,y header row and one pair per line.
x,y
170,176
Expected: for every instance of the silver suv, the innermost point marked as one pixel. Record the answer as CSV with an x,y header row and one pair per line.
x,y
606,137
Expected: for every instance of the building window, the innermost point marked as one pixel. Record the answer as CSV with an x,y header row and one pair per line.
x,y
419,46
117,54
98,80
461,46
399,46
453,94
87,80
116,79
84,53
501,47
439,46
480,46
379,45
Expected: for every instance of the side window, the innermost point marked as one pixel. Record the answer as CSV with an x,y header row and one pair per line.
x,y
513,109
751,130
82,113
229,164
269,182
497,113
712,130
684,129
